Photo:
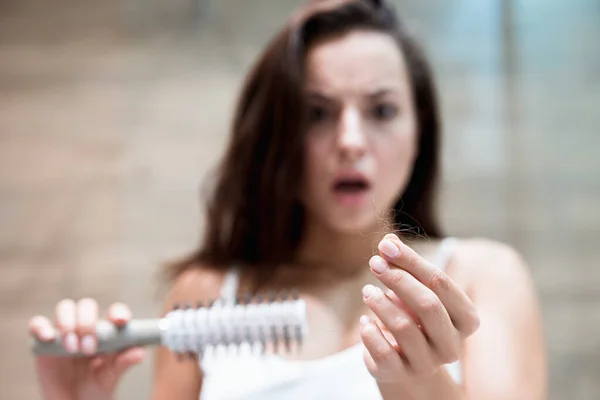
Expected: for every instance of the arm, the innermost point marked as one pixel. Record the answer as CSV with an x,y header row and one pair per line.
x,y
505,358
174,379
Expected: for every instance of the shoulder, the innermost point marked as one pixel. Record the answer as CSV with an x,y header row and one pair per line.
x,y
479,250
198,283
506,357
488,265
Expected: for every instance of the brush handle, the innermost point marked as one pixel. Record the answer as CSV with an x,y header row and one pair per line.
x,y
111,339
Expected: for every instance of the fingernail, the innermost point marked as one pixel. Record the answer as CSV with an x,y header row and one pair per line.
x,y
364,320
388,248
47,333
88,344
121,314
378,264
370,291
71,344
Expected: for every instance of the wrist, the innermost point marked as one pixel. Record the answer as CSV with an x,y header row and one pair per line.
x,y
437,386
95,395
57,395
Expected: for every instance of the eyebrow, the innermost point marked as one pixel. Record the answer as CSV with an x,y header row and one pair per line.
x,y
314,95
381,92
378,93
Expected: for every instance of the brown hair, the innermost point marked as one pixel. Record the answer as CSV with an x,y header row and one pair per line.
x,y
253,214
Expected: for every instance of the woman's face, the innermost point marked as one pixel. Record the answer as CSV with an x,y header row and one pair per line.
x,y
361,140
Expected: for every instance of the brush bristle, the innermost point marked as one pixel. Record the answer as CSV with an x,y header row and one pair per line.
x,y
273,322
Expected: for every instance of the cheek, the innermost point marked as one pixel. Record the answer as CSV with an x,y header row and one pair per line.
x,y
314,163
395,161
315,166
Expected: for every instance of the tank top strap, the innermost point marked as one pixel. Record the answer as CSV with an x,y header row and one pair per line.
x,y
445,252
230,285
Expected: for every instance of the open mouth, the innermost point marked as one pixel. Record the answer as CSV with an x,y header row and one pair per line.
x,y
350,185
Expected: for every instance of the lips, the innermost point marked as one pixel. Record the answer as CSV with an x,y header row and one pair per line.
x,y
350,183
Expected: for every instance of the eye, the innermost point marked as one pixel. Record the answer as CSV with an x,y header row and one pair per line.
x,y
385,111
317,114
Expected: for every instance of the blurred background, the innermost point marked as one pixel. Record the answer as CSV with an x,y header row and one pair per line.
x,y
111,113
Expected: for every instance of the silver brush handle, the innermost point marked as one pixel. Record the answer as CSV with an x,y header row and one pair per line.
x,y
111,339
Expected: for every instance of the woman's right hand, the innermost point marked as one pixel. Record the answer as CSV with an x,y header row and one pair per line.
x,y
93,376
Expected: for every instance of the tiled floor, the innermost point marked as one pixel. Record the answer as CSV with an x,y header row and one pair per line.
x,y
111,112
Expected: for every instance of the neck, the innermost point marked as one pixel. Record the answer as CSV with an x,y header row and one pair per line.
x,y
346,253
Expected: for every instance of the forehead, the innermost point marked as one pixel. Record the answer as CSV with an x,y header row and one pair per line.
x,y
355,62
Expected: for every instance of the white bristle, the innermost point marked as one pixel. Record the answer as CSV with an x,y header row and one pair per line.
x,y
225,325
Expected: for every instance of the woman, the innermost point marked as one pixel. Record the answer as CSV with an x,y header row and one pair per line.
x,y
335,148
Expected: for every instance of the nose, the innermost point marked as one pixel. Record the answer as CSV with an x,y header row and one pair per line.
x,y
351,138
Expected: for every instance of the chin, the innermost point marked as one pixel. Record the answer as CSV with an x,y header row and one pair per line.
x,y
354,225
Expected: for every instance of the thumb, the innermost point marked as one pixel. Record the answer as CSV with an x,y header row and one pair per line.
x,y
128,359
110,370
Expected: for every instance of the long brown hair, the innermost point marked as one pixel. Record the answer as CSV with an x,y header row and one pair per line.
x,y
253,214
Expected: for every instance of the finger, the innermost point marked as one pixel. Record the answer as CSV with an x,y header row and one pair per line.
x,y
66,316
403,328
370,363
399,303
388,335
459,306
385,357
98,362
87,317
66,321
428,308
119,314
109,368
128,359
42,328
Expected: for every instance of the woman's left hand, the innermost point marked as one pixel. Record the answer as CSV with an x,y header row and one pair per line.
x,y
421,319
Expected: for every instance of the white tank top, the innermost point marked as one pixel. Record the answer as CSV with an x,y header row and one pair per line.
x,y
342,375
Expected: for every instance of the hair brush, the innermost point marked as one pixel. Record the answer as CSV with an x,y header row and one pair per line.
x,y
263,321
